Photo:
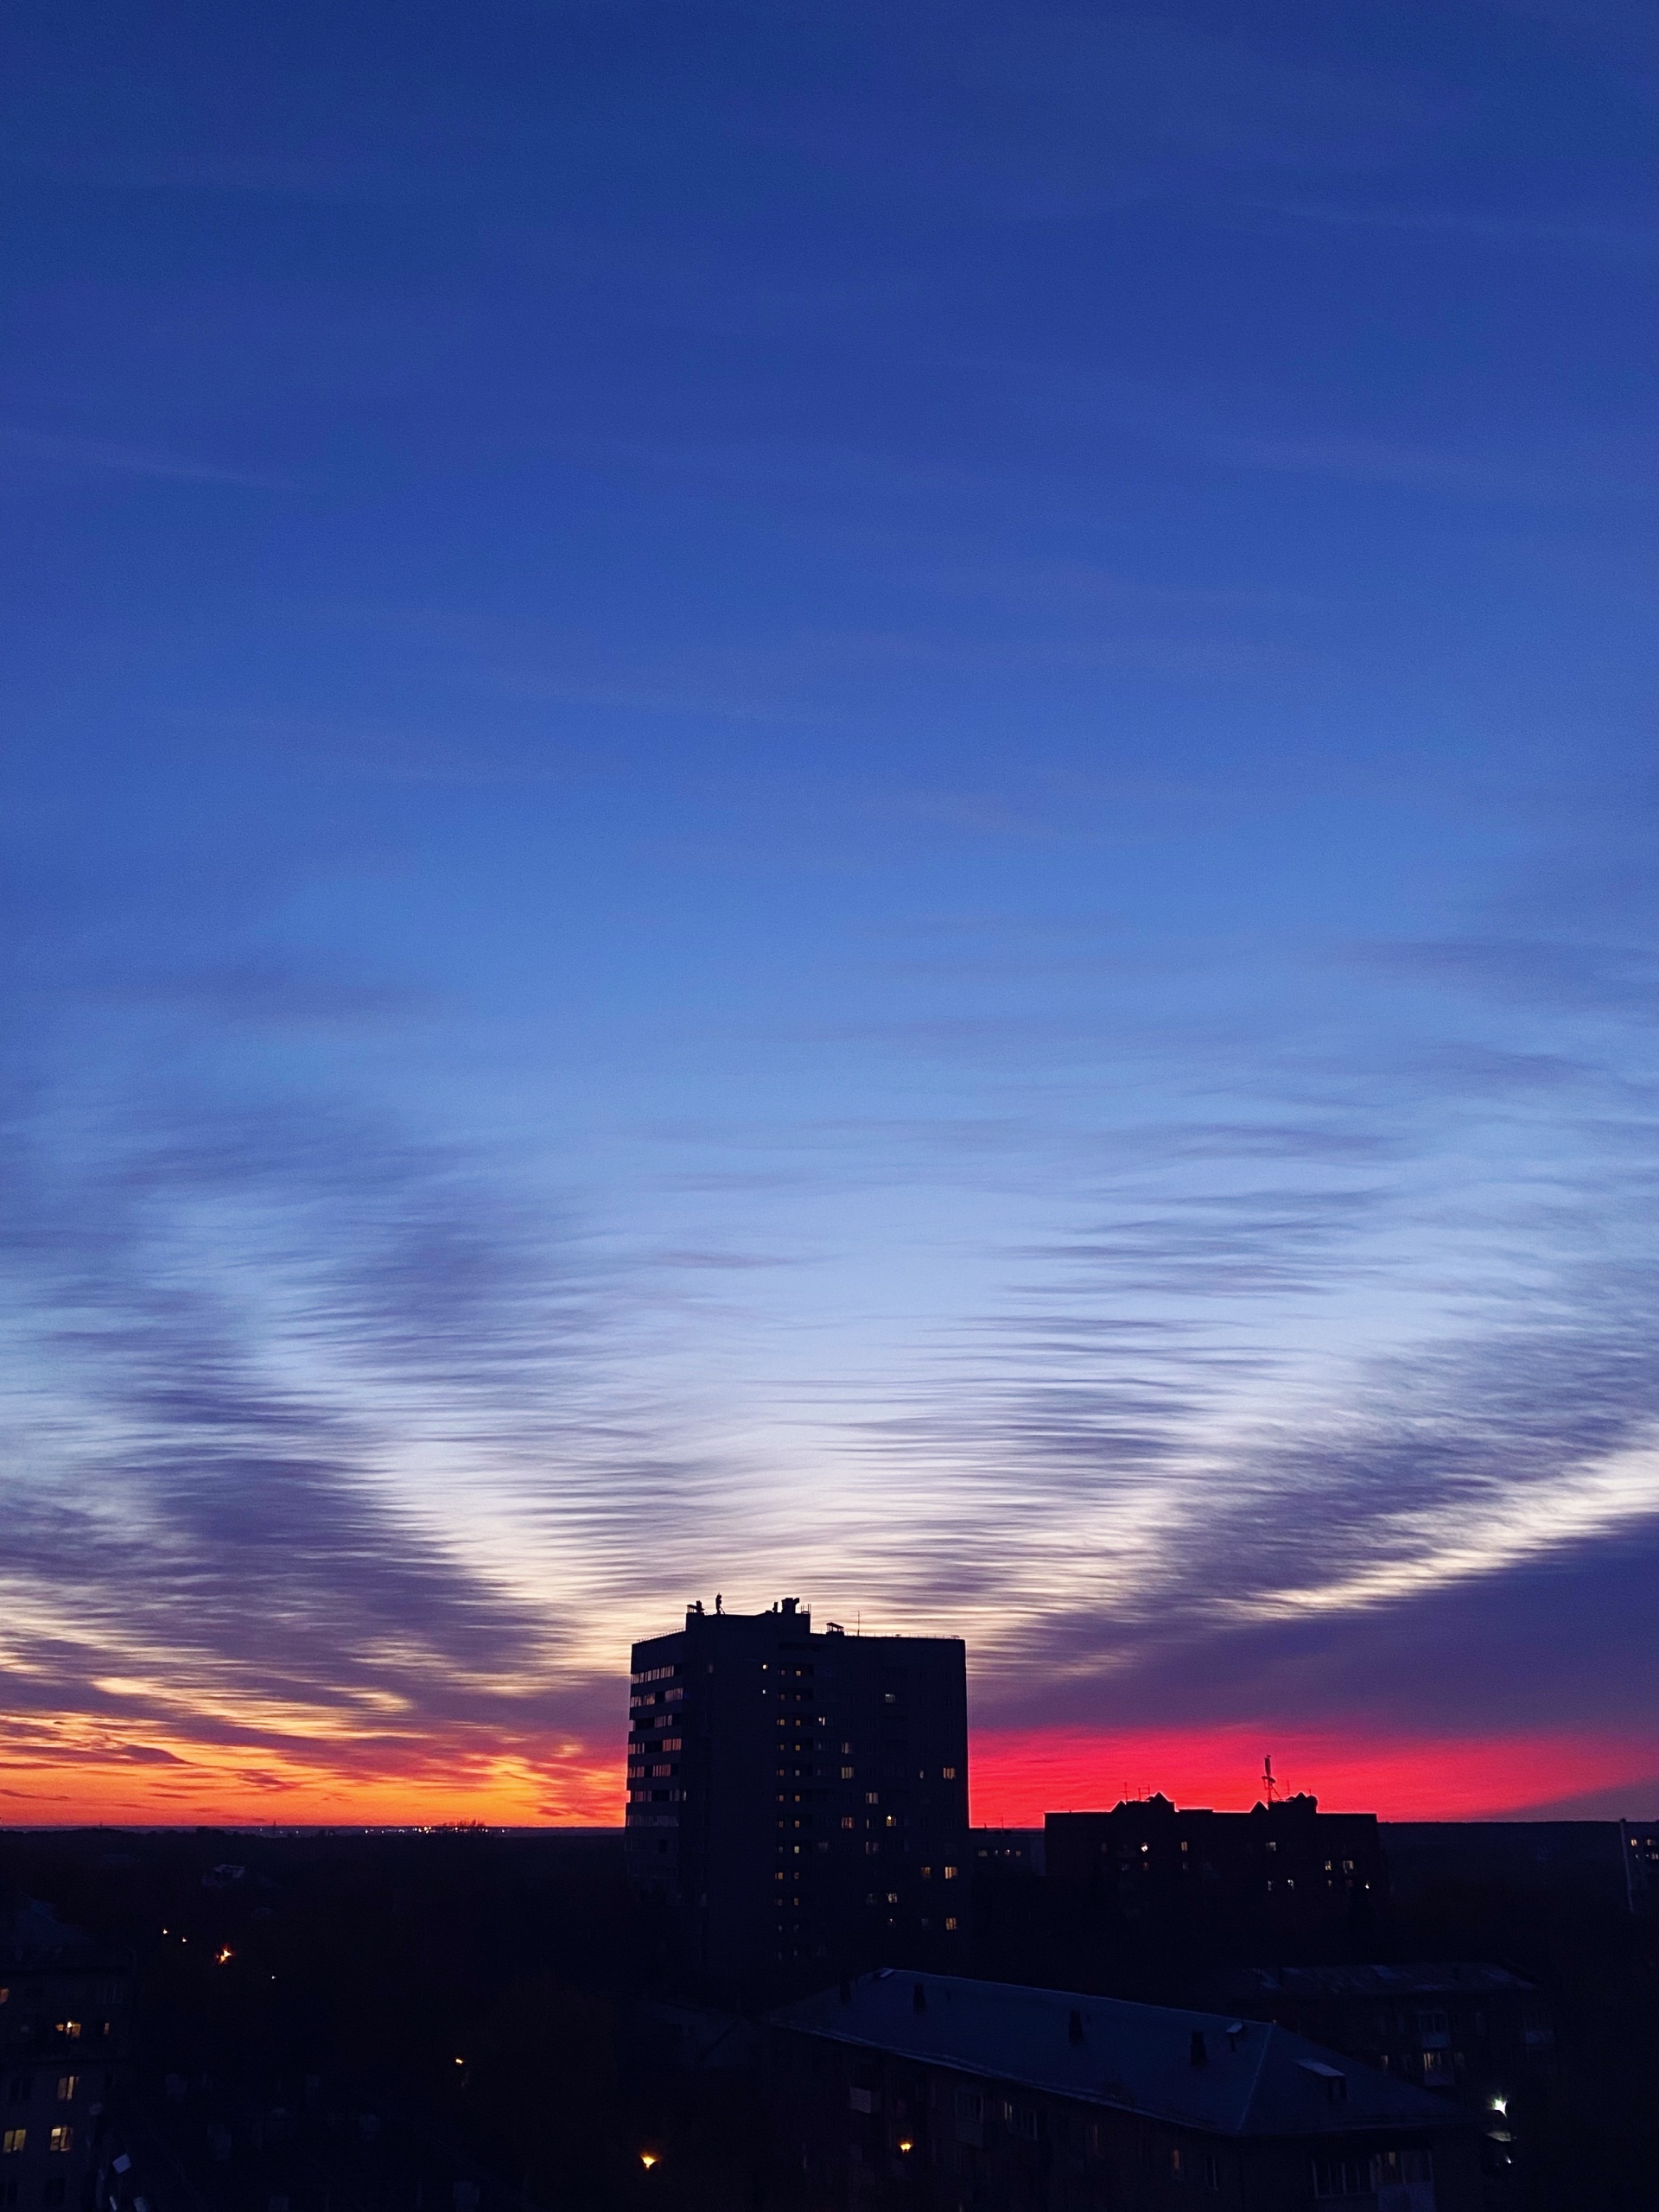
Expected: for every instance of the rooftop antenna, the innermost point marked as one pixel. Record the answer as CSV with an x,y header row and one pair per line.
x,y
1267,1783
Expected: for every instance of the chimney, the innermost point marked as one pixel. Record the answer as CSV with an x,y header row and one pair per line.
x,y
1200,2056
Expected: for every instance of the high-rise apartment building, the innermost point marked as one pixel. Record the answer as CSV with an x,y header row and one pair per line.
x,y
800,1800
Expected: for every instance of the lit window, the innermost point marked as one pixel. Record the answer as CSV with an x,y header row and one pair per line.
x,y
67,2084
62,2139
927,1873
893,1897
871,1797
950,1873
70,2027
950,1924
948,1773
848,1822
846,1774
12,2141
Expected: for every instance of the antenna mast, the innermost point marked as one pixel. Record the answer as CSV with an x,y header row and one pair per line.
x,y
1267,1783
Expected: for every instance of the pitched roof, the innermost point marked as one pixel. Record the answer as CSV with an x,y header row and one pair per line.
x,y
31,1933
1255,2079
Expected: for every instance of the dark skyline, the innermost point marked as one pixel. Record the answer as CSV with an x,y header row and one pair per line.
x,y
800,798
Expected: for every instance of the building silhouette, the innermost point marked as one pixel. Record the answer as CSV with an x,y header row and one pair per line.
x,y
1281,1867
63,2010
798,1801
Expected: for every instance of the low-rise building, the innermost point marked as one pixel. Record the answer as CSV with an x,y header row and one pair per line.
x,y
1285,1865
940,2094
1476,2030
1006,1851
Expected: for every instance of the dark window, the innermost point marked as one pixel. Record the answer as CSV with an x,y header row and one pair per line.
x,y
1391,2168
1342,2177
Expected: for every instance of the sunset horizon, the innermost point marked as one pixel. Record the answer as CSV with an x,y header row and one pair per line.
x,y
851,802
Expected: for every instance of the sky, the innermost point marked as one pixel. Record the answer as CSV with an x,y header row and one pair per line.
x,y
821,799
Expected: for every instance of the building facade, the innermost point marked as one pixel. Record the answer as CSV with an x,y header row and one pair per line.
x,y
799,1800
1475,2031
936,2094
1279,1866
63,2006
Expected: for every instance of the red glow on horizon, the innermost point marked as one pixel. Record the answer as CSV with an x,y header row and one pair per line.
x,y
1020,1775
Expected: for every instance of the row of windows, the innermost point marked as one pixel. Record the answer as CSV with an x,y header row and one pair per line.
x,y
1362,2176
655,1697
654,1675
22,2087
15,2140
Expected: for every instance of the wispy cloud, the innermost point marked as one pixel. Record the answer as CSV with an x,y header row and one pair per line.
x,y
63,454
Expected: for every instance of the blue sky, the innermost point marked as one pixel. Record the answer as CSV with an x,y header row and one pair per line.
x,y
801,798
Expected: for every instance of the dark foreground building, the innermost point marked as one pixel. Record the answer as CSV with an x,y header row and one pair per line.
x,y
941,2096
1477,2031
63,2004
1284,1867
799,1802
1609,1864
